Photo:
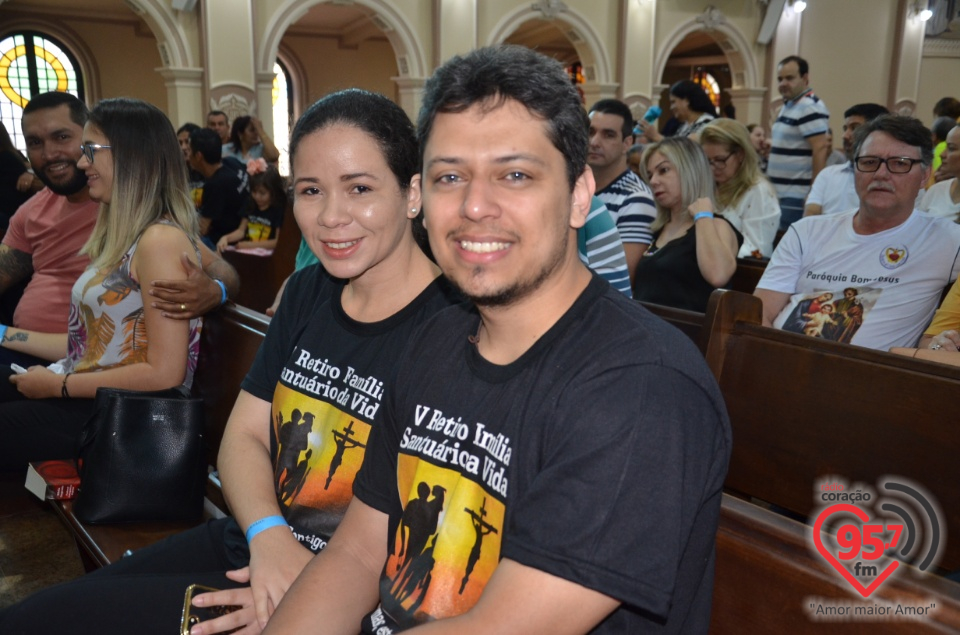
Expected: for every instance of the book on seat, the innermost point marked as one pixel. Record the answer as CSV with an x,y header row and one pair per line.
x,y
53,480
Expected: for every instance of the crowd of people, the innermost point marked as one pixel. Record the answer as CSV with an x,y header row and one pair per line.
x,y
469,358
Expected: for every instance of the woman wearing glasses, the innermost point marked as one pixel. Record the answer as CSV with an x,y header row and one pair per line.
x,y
134,168
744,196
693,251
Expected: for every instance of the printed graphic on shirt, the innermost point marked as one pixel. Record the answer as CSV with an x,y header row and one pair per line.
x,y
834,315
321,423
258,228
895,256
452,476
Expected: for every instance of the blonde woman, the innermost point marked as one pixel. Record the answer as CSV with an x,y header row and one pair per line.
x,y
744,196
694,251
135,169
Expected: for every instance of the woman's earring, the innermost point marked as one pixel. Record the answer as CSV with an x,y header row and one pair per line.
x,y
413,212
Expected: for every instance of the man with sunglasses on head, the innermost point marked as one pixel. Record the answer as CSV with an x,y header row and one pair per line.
x,y
41,247
886,260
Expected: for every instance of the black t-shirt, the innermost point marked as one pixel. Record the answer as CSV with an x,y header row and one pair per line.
x,y
263,225
671,275
224,199
598,456
325,375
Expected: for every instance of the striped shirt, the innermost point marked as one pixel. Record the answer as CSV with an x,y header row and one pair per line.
x,y
630,202
598,242
790,167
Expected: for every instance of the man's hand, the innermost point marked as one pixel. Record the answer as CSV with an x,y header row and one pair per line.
x,y
244,618
186,299
38,383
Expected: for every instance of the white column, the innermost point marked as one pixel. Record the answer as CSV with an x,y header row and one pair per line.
x,y
184,95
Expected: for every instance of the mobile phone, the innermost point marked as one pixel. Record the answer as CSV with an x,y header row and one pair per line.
x,y
196,614
18,369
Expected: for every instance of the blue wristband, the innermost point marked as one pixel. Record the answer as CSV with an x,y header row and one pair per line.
x,y
3,331
223,291
700,215
264,523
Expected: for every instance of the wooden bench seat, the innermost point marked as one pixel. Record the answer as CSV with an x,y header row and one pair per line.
x,y
803,409
229,342
767,577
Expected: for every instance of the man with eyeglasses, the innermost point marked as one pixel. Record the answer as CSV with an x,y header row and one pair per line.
x,y
41,248
884,263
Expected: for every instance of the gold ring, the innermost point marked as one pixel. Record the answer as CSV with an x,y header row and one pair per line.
x,y
183,307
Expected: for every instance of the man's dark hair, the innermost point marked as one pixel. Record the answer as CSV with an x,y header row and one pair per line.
x,y
207,143
188,128
869,112
908,130
490,76
802,65
947,107
616,107
694,94
942,127
78,110
218,113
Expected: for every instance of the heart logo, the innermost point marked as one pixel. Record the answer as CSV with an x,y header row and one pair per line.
x,y
894,254
865,591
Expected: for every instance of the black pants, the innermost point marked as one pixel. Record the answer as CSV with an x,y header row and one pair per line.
x,y
37,429
142,593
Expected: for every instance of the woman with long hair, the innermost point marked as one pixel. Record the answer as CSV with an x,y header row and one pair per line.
x,y
691,105
694,251
135,170
300,427
744,195
248,140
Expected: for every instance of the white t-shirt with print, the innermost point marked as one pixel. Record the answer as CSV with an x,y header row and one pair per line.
x,y
898,275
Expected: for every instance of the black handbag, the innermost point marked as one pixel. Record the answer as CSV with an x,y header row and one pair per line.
x,y
142,458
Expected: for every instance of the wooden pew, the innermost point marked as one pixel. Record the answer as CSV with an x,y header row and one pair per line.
x,y
748,274
767,577
803,409
723,311
229,342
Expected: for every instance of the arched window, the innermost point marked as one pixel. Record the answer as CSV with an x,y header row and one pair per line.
x,y
282,114
32,63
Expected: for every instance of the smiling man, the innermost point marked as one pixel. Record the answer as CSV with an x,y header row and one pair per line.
x,y
888,262
558,451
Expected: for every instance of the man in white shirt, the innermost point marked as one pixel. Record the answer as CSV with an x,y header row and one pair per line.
x,y
833,190
871,276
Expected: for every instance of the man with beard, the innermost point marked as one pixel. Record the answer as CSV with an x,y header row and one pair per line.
x,y
553,417
46,233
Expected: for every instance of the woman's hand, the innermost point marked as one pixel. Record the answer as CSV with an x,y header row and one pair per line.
x,y
947,341
222,244
38,383
276,559
650,131
700,205
25,182
244,618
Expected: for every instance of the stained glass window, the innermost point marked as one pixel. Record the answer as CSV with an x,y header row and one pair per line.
x,y
23,75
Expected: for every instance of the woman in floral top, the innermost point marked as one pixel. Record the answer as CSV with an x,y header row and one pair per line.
x,y
134,168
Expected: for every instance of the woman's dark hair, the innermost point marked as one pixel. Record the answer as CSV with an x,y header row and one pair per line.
x,y
271,181
695,95
380,118
188,128
239,125
373,114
